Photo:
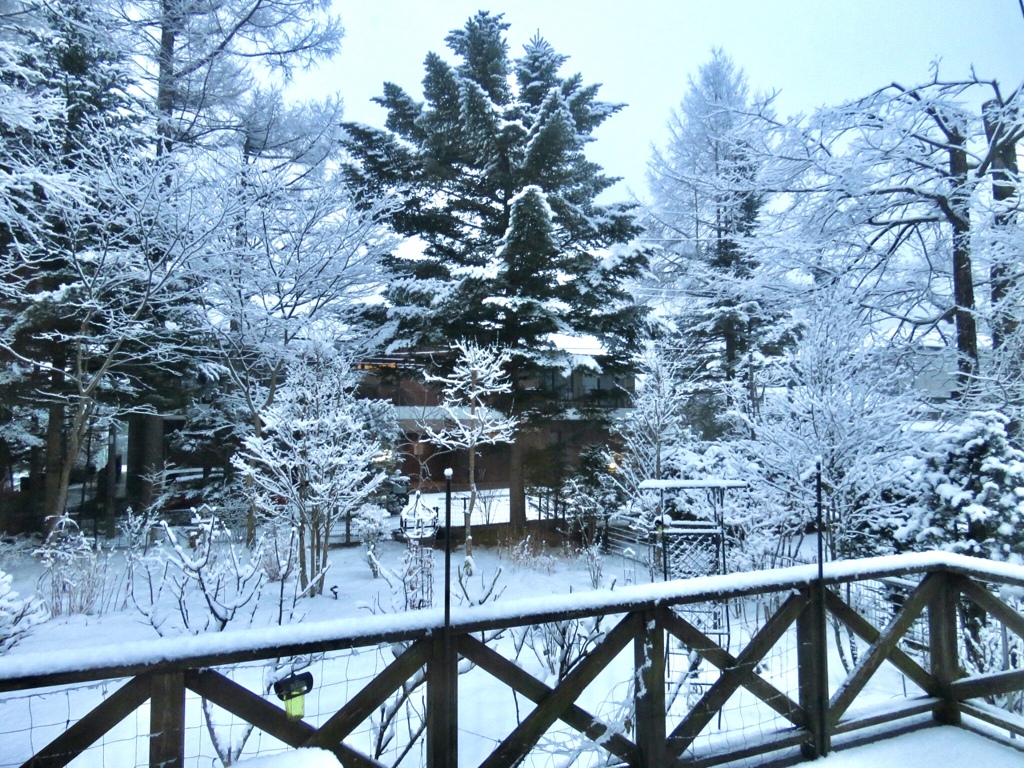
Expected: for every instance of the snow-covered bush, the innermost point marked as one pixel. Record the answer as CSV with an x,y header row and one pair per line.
x,y
529,554
487,592
17,616
14,548
75,574
314,463
279,553
586,516
372,526
560,645
971,492
208,586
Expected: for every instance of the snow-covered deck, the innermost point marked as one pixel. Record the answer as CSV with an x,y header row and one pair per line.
x,y
944,747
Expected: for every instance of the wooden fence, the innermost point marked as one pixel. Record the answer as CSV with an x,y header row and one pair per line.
x,y
642,621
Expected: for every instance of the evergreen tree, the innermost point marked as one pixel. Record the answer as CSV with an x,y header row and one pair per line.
x,y
706,199
971,489
493,179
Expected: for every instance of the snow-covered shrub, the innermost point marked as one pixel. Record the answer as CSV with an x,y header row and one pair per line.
x,y
560,645
593,557
15,548
971,492
590,497
530,554
279,553
372,526
207,586
488,592
17,616
75,574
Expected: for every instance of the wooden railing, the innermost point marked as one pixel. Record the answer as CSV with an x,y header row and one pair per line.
x,y
642,623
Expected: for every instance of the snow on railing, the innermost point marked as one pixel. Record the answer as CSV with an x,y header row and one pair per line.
x,y
347,632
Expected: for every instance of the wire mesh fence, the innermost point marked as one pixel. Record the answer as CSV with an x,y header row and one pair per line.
x,y
568,683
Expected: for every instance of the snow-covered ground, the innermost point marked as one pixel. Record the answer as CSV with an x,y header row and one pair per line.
x,y
352,591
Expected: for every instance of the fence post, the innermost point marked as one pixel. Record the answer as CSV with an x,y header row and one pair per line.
x,y
167,720
942,646
812,672
442,704
649,666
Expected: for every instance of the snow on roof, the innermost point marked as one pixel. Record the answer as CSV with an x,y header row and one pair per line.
x,y
435,414
578,345
708,482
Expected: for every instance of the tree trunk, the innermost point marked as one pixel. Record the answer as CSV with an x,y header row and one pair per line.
x,y
472,506
169,23
250,515
1004,152
110,497
517,488
317,550
53,498
963,278
303,569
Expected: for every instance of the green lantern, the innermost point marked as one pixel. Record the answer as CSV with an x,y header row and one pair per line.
x,y
292,691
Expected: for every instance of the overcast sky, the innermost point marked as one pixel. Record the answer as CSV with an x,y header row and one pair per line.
x,y
813,52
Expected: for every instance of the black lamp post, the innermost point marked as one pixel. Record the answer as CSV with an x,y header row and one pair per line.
x,y
451,675
822,745
447,555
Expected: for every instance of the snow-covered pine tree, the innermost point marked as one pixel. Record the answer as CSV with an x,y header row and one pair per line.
x,y
499,143
707,195
970,499
971,492
477,157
